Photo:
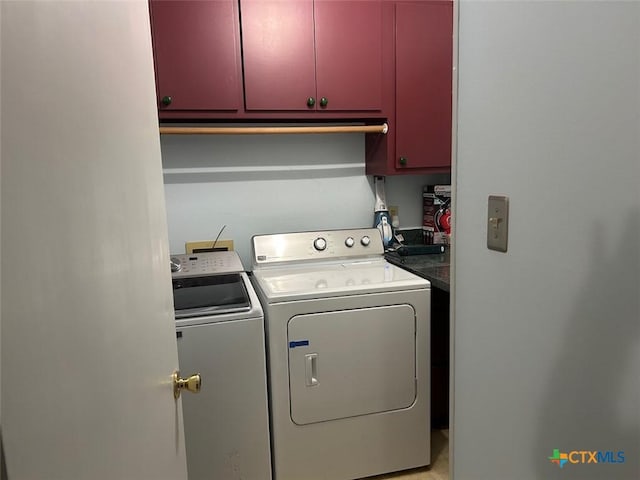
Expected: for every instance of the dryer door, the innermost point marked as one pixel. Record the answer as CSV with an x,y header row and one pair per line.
x,y
351,362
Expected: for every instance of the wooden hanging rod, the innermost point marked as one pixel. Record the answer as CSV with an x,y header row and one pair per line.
x,y
384,128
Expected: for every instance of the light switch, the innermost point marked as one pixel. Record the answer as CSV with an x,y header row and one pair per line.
x,y
498,223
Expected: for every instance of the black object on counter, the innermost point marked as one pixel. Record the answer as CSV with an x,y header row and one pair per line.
x,y
407,250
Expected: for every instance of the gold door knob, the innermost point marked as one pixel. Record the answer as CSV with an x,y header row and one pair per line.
x,y
192,383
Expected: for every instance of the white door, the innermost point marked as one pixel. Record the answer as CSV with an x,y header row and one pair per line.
x,y
88,341
547,335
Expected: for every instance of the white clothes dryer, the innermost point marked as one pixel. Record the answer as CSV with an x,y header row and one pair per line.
x,y
348,355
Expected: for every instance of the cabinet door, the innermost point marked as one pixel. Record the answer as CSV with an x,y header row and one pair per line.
x,y
349,54
197,54
278,54
424,50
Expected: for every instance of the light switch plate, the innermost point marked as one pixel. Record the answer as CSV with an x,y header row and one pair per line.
x,y
498,223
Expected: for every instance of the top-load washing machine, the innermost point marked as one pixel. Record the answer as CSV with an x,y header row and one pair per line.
x,y
220,330
348,355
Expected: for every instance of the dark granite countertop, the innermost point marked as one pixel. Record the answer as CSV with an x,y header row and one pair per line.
x,y
433,267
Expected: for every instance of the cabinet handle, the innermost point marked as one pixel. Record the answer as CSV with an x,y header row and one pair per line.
x,y
166,100
311,102
324,102
403,161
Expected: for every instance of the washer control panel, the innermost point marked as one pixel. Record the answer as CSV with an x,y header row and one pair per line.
x,y
205,263
319,245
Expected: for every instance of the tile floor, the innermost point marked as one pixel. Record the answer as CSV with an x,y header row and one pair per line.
x,y
439,468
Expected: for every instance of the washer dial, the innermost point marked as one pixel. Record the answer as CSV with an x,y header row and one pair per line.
x,y
176,266
349,242
365,241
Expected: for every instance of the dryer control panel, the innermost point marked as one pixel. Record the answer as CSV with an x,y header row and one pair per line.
x,y
317,245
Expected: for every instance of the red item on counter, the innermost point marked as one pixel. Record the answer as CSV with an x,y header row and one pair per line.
x,y
436,222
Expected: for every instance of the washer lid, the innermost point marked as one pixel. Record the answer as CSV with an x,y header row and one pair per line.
x,y
334,279
210,295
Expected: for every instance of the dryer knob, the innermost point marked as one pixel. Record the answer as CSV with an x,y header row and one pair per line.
x,y
365,241
349,242
320,244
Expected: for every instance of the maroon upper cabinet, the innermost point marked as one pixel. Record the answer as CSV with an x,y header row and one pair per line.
x,y
424,53
419,94
196,47
312,55
349,54
278,53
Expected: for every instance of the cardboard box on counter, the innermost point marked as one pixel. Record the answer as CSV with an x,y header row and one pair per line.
x,y
436,220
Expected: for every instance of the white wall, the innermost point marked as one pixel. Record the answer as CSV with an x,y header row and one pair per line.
x,y
276,183
547,336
